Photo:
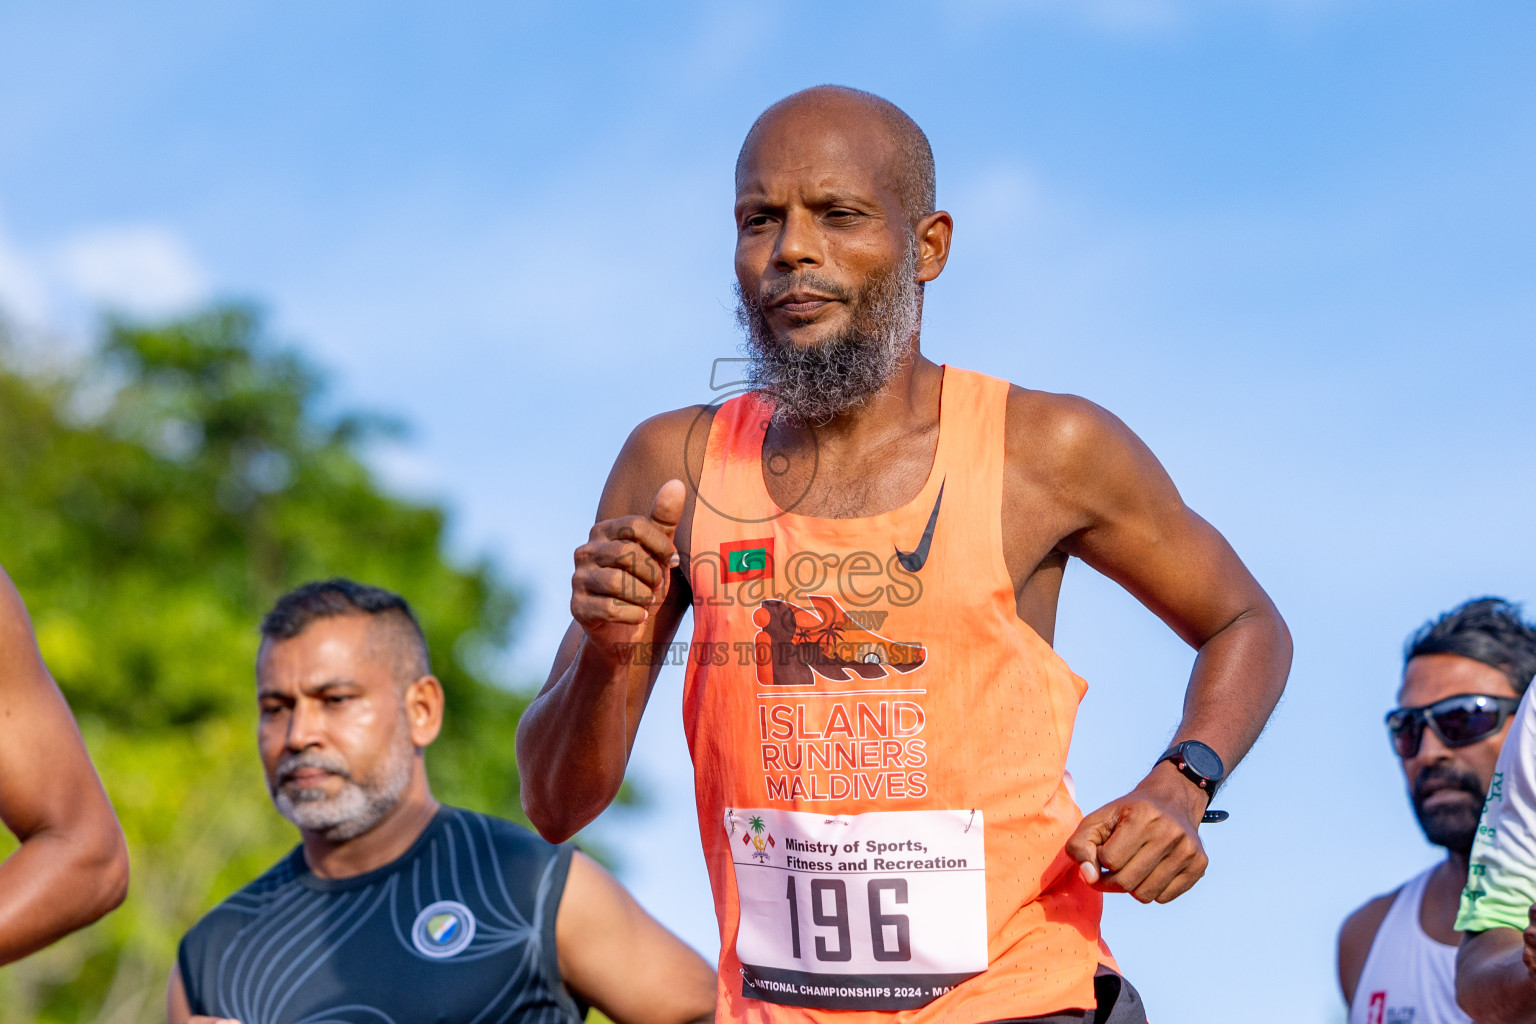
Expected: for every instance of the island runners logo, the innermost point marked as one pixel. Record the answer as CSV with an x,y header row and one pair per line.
x,y
443,929
795,645
742,560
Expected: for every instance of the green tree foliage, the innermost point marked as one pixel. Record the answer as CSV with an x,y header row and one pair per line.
x,y
155,497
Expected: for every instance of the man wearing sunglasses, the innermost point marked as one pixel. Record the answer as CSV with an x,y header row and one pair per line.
x,y
1463,677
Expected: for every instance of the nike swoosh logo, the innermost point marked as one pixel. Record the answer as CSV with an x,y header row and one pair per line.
x,y
913,561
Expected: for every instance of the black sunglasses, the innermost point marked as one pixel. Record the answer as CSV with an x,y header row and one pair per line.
x,y
1457,721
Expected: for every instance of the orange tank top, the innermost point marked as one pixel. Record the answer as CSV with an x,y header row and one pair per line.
x,y
879,746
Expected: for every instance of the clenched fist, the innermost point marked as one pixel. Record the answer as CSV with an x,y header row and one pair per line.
x,y
1147,843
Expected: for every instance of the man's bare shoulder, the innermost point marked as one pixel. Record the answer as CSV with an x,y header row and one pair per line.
x,y
667,446
1366,919
1356,935
667,441
1062,437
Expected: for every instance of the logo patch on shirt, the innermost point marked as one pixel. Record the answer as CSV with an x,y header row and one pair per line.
x,y
914,560
742,560
443,929
795,646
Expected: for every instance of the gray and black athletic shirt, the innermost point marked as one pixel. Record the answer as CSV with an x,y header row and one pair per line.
x,y
460,929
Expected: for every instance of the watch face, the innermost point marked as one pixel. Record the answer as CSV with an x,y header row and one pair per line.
x,y
1203,760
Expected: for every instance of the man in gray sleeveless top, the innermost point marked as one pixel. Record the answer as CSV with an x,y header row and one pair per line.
x,y
395,908
1462,681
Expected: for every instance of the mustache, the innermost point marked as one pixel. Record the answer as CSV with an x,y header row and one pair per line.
x,y
807,280
289,764
1438,777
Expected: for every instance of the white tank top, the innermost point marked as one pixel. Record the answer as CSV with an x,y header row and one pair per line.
x,y
1409,978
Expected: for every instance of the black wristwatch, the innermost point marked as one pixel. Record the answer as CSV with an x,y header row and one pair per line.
x,y
1201,765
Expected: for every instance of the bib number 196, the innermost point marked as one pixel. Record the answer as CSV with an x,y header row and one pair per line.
x,y
900,925
878,911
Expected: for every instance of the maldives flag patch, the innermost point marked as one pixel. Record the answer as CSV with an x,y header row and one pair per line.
x,y
746,560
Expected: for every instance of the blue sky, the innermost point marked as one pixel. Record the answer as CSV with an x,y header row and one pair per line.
x,y
1291,242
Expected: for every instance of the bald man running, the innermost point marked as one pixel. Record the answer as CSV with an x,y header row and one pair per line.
x,y
873,545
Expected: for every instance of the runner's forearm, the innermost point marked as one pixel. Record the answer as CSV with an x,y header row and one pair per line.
x,y
1237,680
627,598
1493,985
1147,842
573,744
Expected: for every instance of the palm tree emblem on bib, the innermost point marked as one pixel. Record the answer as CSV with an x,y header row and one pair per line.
x,y
758,837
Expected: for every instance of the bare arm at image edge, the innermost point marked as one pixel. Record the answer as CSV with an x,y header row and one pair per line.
x,y
72,866
621,960
1494,982
1496,964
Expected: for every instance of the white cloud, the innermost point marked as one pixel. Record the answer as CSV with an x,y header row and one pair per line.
x,y
60,286
23,294
141,269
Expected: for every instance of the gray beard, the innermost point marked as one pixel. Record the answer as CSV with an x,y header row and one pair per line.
x,y
810,386
353,811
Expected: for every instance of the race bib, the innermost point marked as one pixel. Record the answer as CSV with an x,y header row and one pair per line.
x,y
878,911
